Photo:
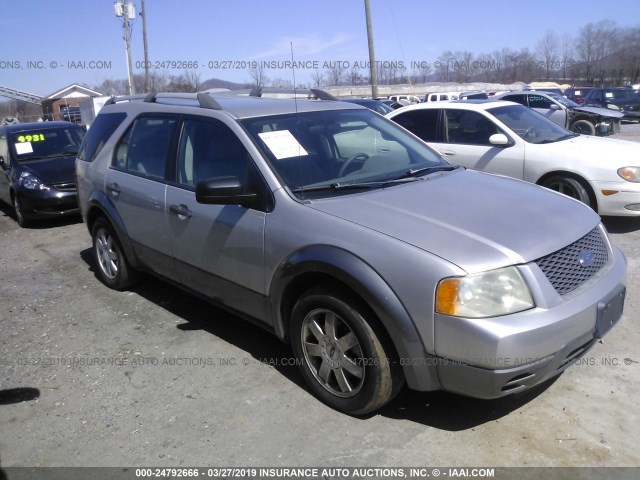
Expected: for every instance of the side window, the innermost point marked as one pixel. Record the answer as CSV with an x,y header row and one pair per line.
x,y
521,99
4,150
467,127
144,149
433,98
100,131
422,123
208,149
538,101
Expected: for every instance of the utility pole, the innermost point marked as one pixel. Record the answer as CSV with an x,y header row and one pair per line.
x,y
147,79
372,56
127,12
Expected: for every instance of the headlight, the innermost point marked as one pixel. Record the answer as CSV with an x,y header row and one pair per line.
x,y
611,106
30,181
488,294
630,174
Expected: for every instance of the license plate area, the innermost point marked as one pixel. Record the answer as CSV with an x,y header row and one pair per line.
x,y
609,312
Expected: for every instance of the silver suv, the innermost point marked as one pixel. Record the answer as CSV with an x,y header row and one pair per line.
x,y
345,235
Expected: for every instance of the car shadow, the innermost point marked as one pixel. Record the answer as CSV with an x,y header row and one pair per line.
x,y
442,410
621,224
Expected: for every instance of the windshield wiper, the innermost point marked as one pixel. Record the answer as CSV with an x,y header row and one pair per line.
x,y
435,168
553,140
337,187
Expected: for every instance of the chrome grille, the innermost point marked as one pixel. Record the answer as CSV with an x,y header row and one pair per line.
x,y
65,187
572,266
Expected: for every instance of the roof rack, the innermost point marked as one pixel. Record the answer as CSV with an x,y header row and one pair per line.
x,y
311,93
204,100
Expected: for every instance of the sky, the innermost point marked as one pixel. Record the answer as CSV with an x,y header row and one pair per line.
x,y
49,44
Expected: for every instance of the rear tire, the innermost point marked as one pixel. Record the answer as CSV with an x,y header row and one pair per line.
x,y
113,267
583,127
570,187
345,362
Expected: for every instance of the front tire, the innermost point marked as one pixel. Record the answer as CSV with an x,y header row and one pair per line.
x,y
345,362
583,127
570,187
19,213
112,265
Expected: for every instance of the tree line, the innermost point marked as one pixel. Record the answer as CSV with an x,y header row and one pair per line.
x,y
600,54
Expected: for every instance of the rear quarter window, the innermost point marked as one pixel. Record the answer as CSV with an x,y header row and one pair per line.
x,y
101,129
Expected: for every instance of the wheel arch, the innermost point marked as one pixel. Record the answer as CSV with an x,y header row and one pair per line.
x,y
576,176
99,205
338,268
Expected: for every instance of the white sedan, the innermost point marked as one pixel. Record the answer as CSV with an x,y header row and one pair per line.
x,y
510,139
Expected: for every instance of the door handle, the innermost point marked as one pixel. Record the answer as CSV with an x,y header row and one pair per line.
x,y
181,210
448,153
113,187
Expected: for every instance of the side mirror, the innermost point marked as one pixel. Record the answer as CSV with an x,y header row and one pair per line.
x,y
224,191
555,106
499,140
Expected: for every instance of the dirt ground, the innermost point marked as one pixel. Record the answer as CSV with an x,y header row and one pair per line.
x,y
155,377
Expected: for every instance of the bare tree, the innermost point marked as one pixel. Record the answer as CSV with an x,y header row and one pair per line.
x,y
259,75
547,48
317,78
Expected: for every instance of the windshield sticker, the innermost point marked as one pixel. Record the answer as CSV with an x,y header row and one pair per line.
x,y
283,144
24,147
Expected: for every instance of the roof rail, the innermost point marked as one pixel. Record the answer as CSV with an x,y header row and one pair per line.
x,y
204,100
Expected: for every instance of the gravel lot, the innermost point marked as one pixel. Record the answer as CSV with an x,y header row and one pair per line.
x,y
155,377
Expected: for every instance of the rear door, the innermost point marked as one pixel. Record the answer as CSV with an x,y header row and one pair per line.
x,y
136,184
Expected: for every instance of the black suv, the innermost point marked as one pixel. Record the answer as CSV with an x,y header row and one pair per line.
x,y
624,99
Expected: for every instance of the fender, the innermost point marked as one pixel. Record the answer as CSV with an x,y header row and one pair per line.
x,y
99,200
329,261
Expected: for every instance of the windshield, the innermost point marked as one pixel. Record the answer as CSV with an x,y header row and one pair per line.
x,y
620,94
33,144
530,125
563,100
339,148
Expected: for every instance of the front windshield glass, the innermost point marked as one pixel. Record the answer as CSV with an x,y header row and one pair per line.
x,y
563,100
36,143
530,125
340,148
621,94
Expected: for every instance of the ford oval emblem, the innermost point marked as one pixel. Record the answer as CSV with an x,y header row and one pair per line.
x,y
586,259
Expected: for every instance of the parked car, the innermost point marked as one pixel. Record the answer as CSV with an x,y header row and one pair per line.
x,y
577,94
511,139
440,96
404,99
623,99
37,169
473,95
392,103
566,113
348,237
372,104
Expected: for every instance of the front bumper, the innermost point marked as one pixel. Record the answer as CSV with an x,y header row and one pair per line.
x,y
41,204
617,198
490,358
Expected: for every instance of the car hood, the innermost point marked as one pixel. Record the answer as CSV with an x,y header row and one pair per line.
x,y
475,220
587,150
604,112
53,170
